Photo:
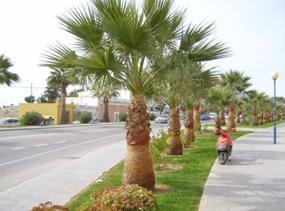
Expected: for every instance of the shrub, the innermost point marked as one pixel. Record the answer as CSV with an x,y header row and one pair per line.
x,y
31,118
158,146
47,206
85,117
128,197
123,116
152,116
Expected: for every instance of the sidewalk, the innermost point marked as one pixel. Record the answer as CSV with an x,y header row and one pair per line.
x,y
254,178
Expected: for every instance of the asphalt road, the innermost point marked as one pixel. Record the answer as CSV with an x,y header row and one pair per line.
x,y
25,154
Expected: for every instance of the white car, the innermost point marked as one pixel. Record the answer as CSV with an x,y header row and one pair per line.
x,y
163,119
212,115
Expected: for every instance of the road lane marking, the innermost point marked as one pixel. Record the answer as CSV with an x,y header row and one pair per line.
x,y
28,136
60,142
58,149
17,148
40,145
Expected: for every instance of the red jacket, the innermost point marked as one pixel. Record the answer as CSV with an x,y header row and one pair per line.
x,y
224,139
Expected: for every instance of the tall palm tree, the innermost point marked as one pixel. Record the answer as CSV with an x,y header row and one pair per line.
x,y
7,77
189,134
186,73
170,91
62,74
198,89
257,101
106,88
238,83
200,93
131,45
218,98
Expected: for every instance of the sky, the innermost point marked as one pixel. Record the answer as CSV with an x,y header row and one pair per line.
x,y
254,31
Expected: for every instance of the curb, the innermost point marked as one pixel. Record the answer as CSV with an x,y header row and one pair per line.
x,y
57,126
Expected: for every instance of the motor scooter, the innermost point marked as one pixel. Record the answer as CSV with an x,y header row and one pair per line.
x,y
224,147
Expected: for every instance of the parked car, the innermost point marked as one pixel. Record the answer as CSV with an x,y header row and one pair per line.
x,y
163,119
212,115
205,117
9,122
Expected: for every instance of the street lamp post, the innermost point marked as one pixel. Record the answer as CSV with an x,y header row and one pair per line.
x,y
274,76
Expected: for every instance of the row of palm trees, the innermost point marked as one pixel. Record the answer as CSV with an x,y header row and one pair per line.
x,y
149,51
152,52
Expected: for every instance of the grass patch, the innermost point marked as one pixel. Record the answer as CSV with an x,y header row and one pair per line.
x,y
266,125
185,184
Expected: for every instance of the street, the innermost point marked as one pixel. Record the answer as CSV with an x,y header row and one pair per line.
x,y
25,154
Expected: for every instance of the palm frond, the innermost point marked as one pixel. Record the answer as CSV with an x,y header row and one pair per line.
x,y
59,56
85,25
7,77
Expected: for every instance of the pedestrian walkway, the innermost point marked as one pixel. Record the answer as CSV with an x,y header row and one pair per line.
x,y
253,179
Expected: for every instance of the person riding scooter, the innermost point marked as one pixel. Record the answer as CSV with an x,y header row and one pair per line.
x,y
224,146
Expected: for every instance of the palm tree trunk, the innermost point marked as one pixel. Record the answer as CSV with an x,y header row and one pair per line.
x,y
174,140
231,118
254,117
222,117
197,123
238,117
189,135
261,118
218,125
264,118
63,116
138,168
106,110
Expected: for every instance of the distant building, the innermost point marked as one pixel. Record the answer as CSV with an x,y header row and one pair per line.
x,y
47,110
87,102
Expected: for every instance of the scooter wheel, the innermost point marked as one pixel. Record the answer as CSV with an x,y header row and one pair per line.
x,y
223,157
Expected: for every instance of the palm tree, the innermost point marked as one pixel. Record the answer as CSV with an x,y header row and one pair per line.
x,y
169,91
189,134
106,88
198,89
257,101
131,45
7,77
238,83
62,74
218,98
186,72
200,93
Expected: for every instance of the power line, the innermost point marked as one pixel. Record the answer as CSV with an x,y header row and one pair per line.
x,y
26,42
27,87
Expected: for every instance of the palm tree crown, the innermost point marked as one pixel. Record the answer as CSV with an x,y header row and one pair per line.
x,y
7,77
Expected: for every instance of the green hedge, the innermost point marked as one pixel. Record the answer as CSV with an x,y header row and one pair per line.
x,y
31,118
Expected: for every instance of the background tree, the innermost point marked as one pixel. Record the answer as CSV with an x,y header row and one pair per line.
x,y
105,89
7,77
74,93
63,74
218,98
30,99
50,95
170,91
238,83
